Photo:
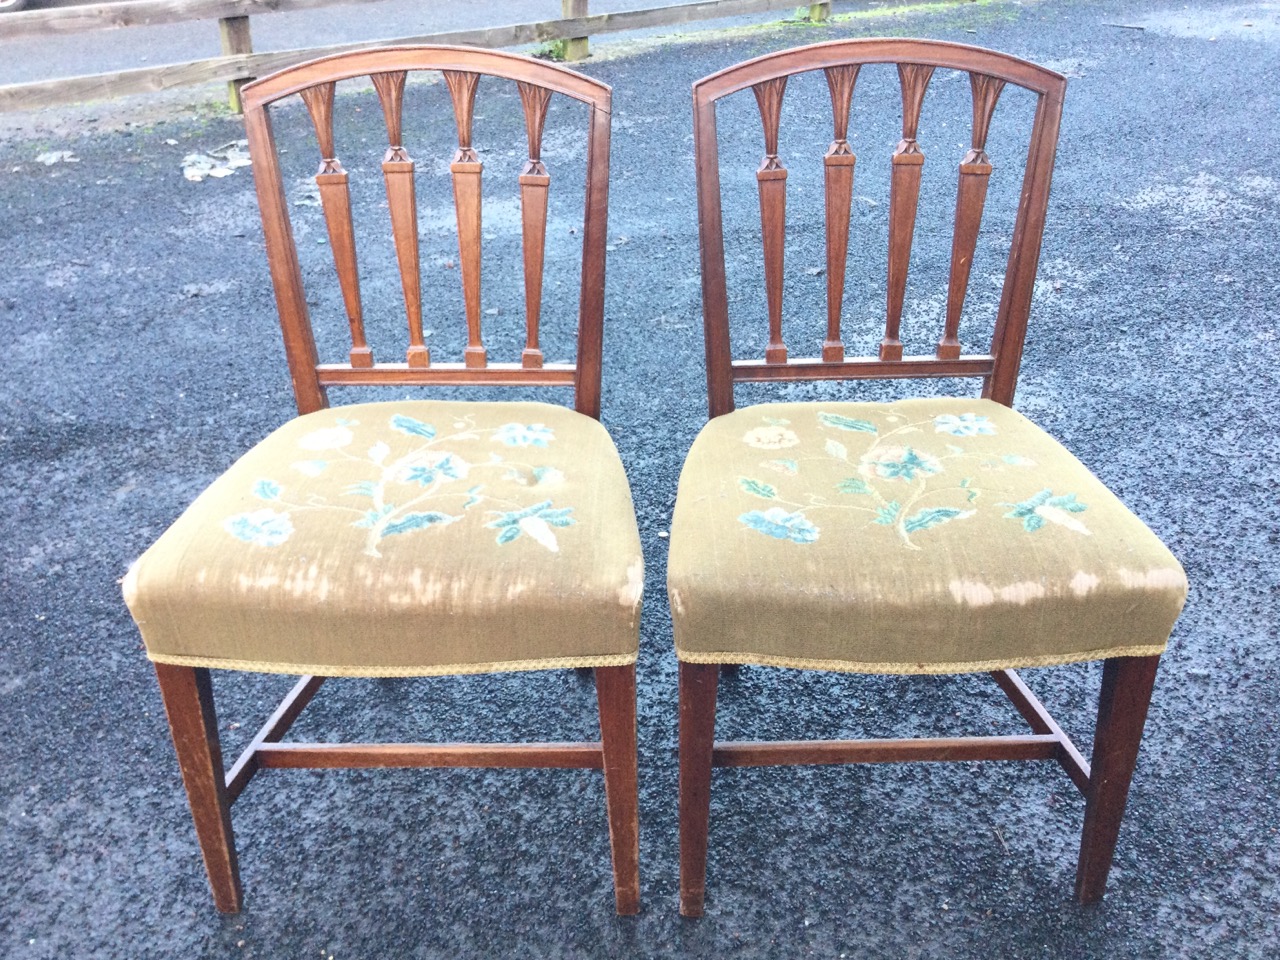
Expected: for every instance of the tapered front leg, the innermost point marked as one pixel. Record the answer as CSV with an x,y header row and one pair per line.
x,y
616,693
1122,711
188,700
697,735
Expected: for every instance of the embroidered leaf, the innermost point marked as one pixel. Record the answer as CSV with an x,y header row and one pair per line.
x,y
925,519
417,521
1067,502
854,485
371,518
954,449
776,423
788,467
846,423
837,449
1017,461
509,533
1032,522
411,426
473,497
266,490
365,488
757,488
378,452
888,514
1063,519
558,518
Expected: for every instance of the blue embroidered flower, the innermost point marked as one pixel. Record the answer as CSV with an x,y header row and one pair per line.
x,y
523,435
898,463
536,521
964,425
447,466
777,523
265,528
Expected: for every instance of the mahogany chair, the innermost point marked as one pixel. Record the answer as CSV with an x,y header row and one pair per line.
x,y
925,536
415,537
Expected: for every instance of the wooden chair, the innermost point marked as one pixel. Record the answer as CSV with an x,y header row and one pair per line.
x,y
416,537
927,536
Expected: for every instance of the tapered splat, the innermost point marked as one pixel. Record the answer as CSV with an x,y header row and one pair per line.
x,y
466,169
772,181
335,199
904,196
839,165
971,197
534,185
397,169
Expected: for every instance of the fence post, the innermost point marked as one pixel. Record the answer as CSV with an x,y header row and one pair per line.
x,y
575,48
819,12
235,39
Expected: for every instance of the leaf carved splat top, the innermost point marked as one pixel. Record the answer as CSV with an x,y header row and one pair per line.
x,y
839,164
466,169
534,186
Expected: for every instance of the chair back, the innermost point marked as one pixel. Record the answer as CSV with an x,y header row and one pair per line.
x,y
462,68
841,61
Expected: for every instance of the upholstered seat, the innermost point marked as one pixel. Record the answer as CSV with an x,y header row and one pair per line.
x,y
925,536
401,539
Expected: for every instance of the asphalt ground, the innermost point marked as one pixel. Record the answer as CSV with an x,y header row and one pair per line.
x,y
142,356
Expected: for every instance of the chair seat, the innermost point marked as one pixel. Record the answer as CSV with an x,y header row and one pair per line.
x,y
403,539
924,536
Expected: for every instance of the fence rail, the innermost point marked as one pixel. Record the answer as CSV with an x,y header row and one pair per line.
x,y
239,64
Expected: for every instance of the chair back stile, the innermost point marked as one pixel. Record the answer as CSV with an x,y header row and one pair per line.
x,y
916,61
388,70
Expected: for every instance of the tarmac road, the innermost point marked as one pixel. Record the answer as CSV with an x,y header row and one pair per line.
x,y
142,356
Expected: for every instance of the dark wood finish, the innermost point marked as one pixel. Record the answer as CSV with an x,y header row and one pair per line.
x,y
698,683
1034,712
188,701
334,756
916,60
1127,683
904,198
811,752
838,165
535,183
971,197
466,169
272,731
335,200
616,694
397,170
388,68
772,181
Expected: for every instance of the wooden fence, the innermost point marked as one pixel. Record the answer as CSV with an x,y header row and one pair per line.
x,y
239,64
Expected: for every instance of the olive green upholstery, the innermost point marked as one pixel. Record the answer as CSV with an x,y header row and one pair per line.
x,y
924,536
401,539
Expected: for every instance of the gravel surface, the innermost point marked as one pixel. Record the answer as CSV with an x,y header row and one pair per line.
x,y
142,357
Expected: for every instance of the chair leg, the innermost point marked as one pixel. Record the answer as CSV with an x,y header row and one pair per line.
x,y
188,700
616,693
697,736
1122,711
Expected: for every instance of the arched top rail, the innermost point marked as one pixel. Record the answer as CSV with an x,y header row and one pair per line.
x,y
834,53
363,63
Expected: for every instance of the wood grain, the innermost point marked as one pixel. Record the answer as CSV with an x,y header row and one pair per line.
x,y
838,168
616,696
697,718
466,170
535,183
772,183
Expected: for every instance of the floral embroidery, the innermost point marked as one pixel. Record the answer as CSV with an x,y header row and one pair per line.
x,y
264,528
520,435
896,485
963,425
898,463
414,489
536,521
778,523
1045,506
770,438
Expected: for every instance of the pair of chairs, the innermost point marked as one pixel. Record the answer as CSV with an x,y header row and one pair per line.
x,y
432,537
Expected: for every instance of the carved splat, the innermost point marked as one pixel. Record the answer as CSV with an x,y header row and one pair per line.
x,y
466,169
904,198
397,170
838,165
335,200
971,198
534,185
772,181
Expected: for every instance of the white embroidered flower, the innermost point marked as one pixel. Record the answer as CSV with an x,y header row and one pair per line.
x,y
309,468
898,463
964,425
770,438
326,438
